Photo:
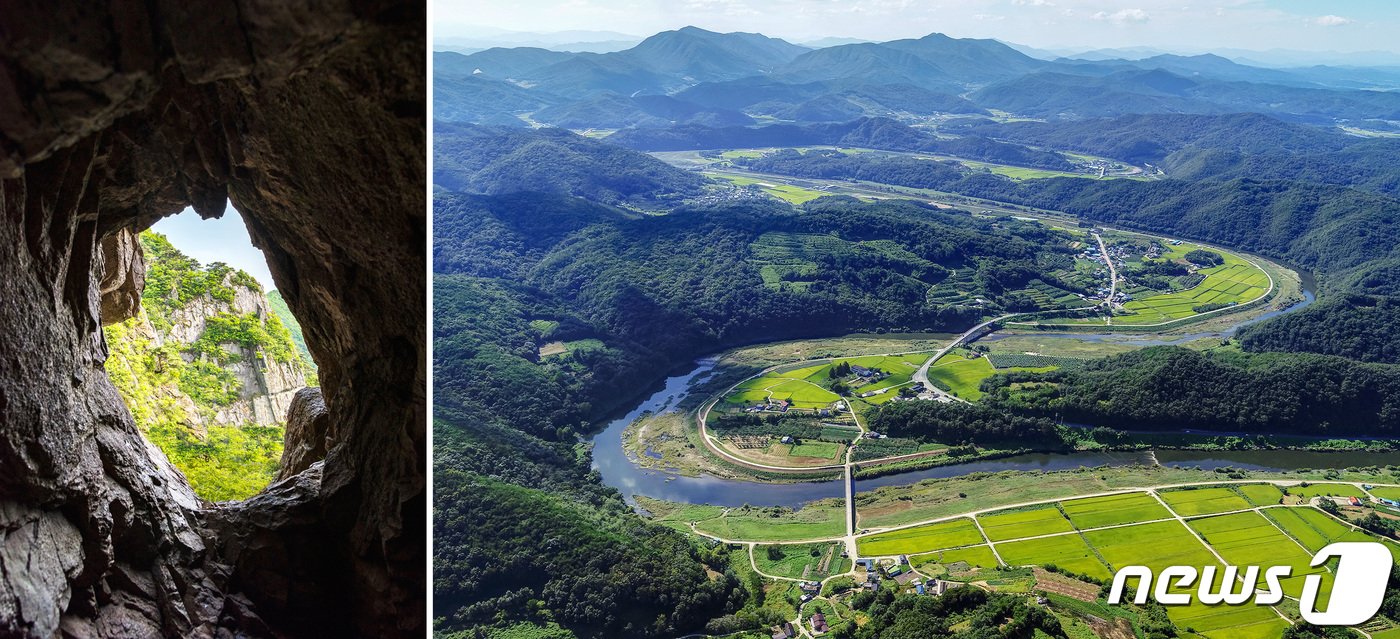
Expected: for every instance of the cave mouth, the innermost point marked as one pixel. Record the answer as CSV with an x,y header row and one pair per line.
x,y
212,362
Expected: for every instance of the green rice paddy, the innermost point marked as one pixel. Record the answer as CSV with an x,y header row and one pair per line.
x,y
1327,490
787,192
1041,520
1135,529
803,384
1069,552
1261,494
1189,502
1113,510
939,536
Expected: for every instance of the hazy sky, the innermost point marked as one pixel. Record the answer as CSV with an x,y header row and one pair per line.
x,y
222,240
1353,25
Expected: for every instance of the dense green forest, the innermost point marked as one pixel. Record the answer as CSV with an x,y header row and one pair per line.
x,y
723,274
1222,389
1169,388
960,613
284,315
173,389
495,160
525,534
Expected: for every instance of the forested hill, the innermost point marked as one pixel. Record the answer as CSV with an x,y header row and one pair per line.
x,y
1349,236
872,133
1219,147
1222,390
497,160
208,369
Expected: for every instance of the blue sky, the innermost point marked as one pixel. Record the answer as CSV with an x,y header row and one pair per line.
x,y
1184,25
222,240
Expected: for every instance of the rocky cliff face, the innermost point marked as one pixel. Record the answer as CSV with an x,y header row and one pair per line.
x,y
212,316
310,118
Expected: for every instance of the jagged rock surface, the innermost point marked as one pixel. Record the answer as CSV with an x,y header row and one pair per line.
x,y
309,433
123,277
310,118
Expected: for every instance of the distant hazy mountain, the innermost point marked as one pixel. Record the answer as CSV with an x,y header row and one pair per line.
x,y
498,63
700,55
613,111
935,61
822,43
1055,94
482,100
572,41
1125,53
727,79
1035,52
873,62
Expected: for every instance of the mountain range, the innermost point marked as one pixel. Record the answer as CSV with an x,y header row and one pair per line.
x,y
691,75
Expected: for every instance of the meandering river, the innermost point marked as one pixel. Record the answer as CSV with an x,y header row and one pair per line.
x,y
623,473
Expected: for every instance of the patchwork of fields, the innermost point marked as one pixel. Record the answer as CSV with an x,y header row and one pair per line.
x,y
791,194
802,385
1236,281
962,376
1196,526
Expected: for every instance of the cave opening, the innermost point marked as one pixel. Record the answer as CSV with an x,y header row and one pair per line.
x,y
212,363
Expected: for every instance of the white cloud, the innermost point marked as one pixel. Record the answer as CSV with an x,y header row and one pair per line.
x,y
1033,3
1331,21
1123,16
987,16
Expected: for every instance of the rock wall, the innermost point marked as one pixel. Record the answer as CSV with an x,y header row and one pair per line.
x,y
267,384
308,116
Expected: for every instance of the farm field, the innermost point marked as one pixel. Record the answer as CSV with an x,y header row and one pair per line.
x,y
1327,490
1261,494
816,450
920,539
1069,552
1190,502
1039,520
963,375
817,520
802,561
1249,539
1236,281
1386,492
1050,346
787,192
801,384
1312,528
1168,543
1240,538
1112,510
1021,172
1113,531
975,556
